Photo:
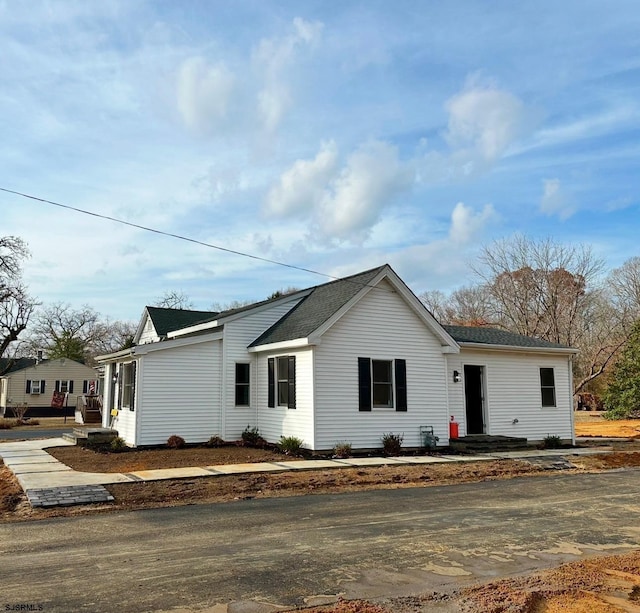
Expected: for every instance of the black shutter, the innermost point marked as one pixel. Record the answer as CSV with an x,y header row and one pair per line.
x,y
85,386
271,366
401,385
28,390
71,387
42,386
132,406
57,386
364,384
292,381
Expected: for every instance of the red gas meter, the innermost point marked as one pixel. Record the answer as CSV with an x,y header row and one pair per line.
x,y
453,428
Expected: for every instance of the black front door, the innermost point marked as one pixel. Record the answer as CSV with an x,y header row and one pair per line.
x,y
474,399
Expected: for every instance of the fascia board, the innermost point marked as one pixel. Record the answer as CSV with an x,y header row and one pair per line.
x,y
143,319
180,342
282,345
519,348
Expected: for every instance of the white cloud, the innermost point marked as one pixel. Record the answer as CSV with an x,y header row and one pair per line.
x,y
342,204
371,179
203,93
485,121
555,201
302,186
467,224
273,57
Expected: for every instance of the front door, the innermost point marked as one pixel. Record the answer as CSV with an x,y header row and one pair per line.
x,y
474,399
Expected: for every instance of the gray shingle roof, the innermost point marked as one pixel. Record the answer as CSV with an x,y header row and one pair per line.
x,y
316,308
166,320
494,336
9,365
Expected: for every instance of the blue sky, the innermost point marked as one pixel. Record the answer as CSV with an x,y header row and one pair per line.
x,y
331,135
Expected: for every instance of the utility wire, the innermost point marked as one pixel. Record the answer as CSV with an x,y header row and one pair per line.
x,y
178,236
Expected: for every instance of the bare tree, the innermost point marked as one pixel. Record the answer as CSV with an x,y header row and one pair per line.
x,y
174,299
539,288
16,307
471,306
78,334
438,304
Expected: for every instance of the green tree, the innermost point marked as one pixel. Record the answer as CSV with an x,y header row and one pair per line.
x,y
622,398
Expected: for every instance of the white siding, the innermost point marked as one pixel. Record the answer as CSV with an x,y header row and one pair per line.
x,y
380,326
49,371
179,393
512,392
275,422
238,335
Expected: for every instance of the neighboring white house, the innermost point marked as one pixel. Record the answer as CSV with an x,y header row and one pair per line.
x,y
32,381
348,360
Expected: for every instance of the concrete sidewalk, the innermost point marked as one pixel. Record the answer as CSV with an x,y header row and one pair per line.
x,y
48,482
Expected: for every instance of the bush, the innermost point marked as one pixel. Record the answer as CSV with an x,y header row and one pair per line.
x,y
175,442
214,441
118,444
290,445
551,441
342,450
6,424
392,443
251,436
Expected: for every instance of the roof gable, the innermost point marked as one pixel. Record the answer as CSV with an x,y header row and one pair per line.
x,y
326,303
166,320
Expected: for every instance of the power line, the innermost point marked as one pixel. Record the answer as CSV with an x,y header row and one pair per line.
x,y
179,237
163,233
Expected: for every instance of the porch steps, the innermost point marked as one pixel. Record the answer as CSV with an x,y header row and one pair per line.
x,y
483,443
84,436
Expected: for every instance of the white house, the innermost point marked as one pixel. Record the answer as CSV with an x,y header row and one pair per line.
x,y
348,361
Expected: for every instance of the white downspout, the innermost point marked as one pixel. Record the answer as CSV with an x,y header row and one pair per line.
x,y
573,429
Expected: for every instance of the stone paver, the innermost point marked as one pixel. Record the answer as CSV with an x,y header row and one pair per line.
x,y
68,496
48,482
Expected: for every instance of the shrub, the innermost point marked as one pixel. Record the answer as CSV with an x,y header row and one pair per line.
x,y
19,411
32,422
342,450
214,441
175,442
392,443
290,445
6,424
551,441
251,436
118,444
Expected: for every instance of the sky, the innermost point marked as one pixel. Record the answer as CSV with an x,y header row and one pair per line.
x,y
331,135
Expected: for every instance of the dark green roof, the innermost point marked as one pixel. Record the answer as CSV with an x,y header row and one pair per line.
x,y
494,336
167,320
9,365
316,308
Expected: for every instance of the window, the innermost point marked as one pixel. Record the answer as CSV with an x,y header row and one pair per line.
x,y
548,387
64,387
242,385
282,381
90,387
127,379
35,386
382,384
382,381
